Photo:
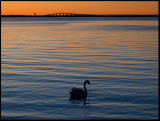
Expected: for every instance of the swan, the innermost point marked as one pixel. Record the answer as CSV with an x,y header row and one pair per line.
x,y
77,93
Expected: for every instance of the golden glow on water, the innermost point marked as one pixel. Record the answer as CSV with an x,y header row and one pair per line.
x,y
43,60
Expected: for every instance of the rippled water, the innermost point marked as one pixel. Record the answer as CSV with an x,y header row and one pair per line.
x,y
43,58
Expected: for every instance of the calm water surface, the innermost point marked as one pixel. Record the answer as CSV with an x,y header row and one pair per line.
x,y
43,58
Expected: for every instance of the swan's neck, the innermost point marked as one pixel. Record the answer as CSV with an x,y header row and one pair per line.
x,y
85,89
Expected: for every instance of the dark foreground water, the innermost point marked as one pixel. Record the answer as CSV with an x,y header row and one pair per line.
x,y
43,58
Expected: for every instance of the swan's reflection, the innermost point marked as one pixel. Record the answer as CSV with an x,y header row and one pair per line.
x,y
78,101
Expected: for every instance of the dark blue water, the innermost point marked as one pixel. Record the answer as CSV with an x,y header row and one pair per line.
x,y
43,58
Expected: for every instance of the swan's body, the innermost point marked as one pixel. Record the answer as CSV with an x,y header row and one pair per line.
x,y
77,93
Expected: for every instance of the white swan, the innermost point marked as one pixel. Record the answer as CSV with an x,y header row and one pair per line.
x,y
77,93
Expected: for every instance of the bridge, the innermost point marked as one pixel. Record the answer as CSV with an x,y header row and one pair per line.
x,y
63,14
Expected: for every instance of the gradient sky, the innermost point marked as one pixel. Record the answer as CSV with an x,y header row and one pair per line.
x,y
80,7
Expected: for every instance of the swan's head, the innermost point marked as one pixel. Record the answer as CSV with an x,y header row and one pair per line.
x,y
87,82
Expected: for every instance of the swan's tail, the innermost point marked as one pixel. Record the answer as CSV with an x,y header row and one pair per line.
x,y
70,92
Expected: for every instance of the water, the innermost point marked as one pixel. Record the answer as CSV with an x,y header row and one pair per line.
x,y
43,58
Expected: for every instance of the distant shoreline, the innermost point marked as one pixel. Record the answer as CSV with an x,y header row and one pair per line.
x,y
81,16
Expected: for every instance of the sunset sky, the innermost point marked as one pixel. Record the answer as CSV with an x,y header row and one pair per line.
x,y
80,7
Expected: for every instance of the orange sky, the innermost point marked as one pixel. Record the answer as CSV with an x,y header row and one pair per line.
x,y
81,7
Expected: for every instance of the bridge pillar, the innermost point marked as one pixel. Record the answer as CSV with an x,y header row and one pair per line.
x,y
66,14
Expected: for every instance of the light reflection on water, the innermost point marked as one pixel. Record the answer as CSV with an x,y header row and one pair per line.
x,y
43,59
